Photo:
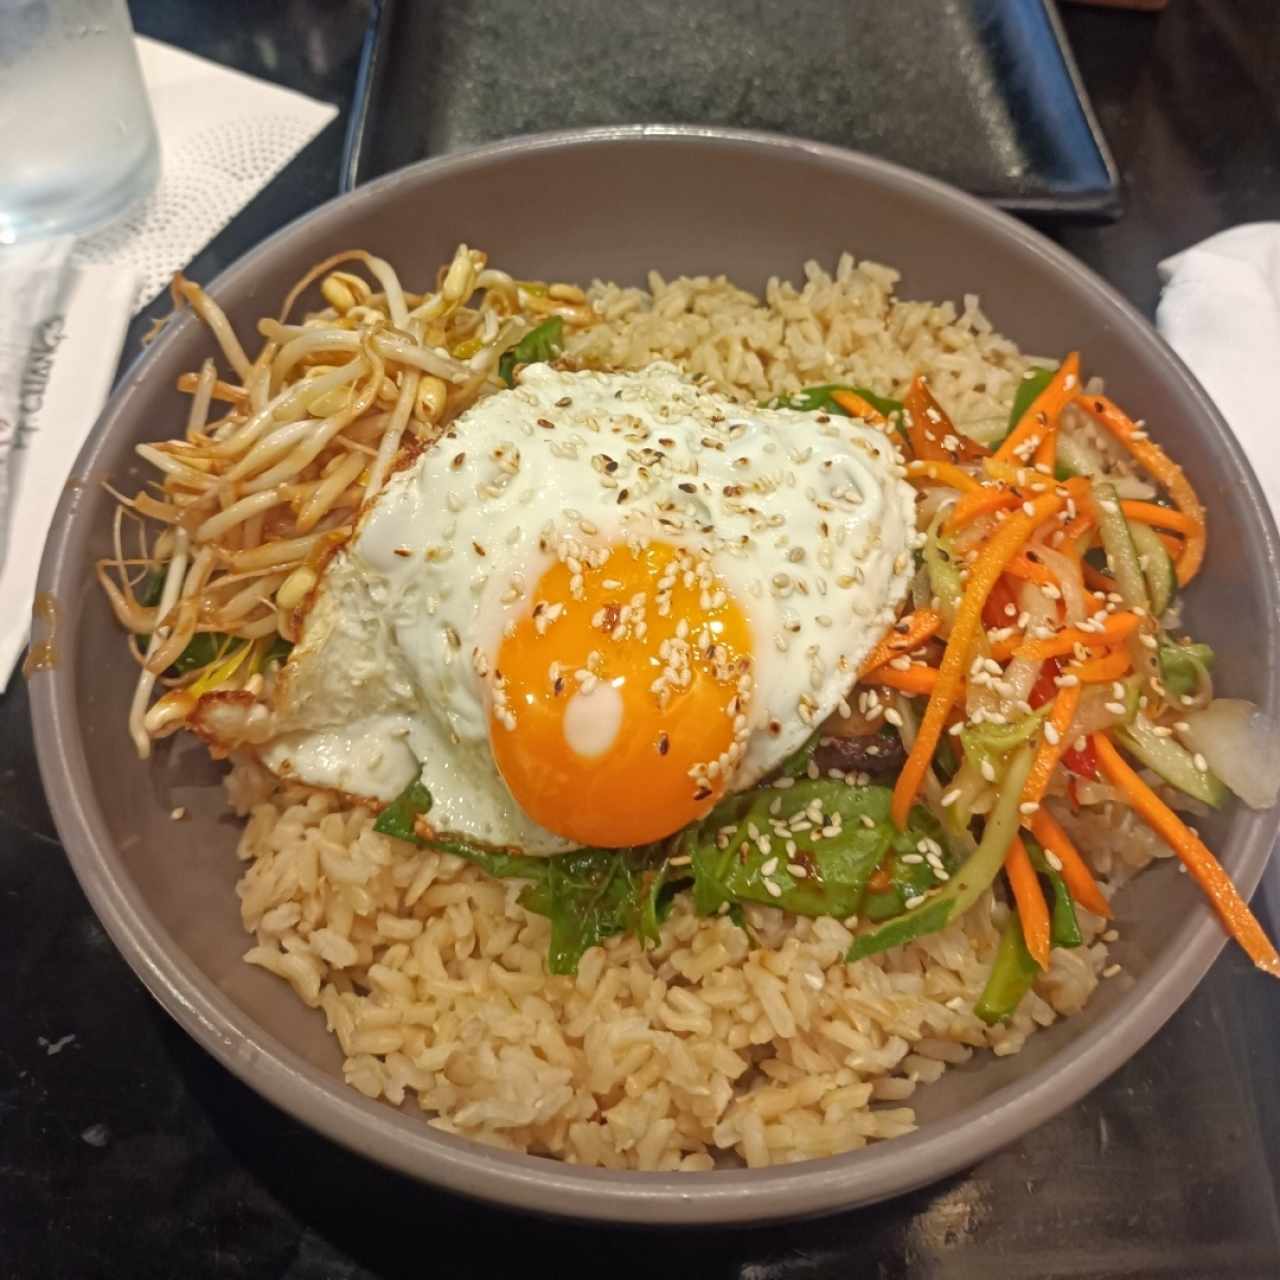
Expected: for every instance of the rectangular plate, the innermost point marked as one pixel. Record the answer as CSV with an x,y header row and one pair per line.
x,y
982,93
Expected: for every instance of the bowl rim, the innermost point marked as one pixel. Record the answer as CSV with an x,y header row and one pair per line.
x,y
537,1184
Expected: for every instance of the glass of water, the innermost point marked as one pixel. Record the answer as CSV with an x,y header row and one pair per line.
x,y
79,144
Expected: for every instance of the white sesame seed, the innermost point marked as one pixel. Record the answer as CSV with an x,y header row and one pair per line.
x,y
916,901
950,797
988,770
773,889
1028,807
1111,970
1053,860
1052,736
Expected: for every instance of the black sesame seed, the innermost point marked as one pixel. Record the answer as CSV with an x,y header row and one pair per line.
x,y
544,422
664,744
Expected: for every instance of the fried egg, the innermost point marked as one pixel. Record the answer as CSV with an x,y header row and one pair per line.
x,y
597,602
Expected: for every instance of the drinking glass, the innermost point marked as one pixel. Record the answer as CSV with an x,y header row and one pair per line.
x,y
77,141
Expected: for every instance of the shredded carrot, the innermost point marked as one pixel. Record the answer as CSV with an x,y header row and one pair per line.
x,y
981,502
1172,544
880,880
1048,754
1110,666
1047,451
915,679
857,407
1042,413
1076,529
1075,871
985,571
1033,911
1163,469
995,612
1022,566
1161,517
929,428
1234,912
1096,580
1115,627
943,473
908,633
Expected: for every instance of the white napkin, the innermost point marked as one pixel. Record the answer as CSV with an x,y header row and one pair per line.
x,y
1220,311
64,306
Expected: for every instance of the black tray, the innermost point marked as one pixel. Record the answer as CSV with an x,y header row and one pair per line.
x,y
983,93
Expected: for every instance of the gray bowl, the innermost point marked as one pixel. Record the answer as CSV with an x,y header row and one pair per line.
x,y
612,203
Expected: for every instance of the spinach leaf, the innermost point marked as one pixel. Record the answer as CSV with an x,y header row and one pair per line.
x,y
913,879
737,852
396,819
540,344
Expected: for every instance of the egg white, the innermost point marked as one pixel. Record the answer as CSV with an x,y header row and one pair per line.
x,y
808,521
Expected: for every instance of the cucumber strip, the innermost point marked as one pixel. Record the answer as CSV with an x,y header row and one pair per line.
x,y
1156,564
1171,760
1117,541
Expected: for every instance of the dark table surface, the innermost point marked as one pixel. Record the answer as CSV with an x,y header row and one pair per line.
x,y
125,1151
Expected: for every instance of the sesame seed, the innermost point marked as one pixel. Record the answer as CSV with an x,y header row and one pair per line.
x,y
1052,736
988,770
1200,762
950,797
1053,860
1028,807
915,901
1111,970
773,889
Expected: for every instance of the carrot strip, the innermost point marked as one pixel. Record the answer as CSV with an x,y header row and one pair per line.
x,y
1048,754
1163,468
1047,451
915,679
1042,413
983,501
995,613
929,428
943,473
1033,911
1234,912
1022,566
1075,871
1111,666
1095,579
985,571
856,407
1161,517
1115,627
1172,544
1076,528
908,633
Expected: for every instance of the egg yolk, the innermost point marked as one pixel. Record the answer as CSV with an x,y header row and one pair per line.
x,y
619,700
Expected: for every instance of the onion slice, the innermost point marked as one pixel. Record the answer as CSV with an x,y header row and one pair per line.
x,y
1241,744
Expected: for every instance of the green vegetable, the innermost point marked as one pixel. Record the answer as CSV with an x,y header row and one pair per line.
x,y
204,647
796,765
1076,457
939,562
1012,973
908,880
1184,666
1171,760
818,399
1032,384
588,895
994,741
1117,541
279,651
592,894
966,886
397,818
540,344
1156,564
1064,927
151,588
836,867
